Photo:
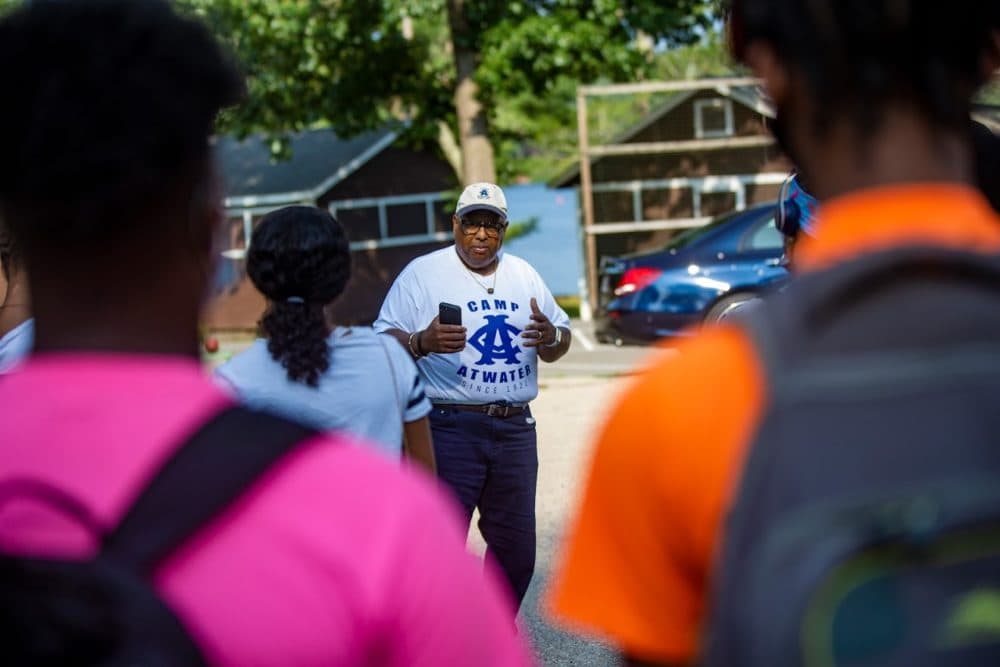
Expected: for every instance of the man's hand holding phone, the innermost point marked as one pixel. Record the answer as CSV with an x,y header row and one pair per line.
x,y
446,333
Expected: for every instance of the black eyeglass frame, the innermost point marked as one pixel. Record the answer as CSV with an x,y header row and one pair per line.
x,y
493,228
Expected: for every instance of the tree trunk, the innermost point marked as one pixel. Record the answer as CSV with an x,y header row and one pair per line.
x,y
450,148
477,152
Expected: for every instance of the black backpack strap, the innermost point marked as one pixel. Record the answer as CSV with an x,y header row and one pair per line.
x,y
206,474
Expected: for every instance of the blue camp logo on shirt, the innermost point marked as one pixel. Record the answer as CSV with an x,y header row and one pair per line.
x,y
494,340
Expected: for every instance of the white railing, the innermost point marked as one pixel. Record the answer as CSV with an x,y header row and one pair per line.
x,y
248,210
735,184
382,204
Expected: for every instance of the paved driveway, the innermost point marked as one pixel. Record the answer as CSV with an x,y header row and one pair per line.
x,y
570,407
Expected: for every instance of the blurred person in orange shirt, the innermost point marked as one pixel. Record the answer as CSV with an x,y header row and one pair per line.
x,y
872,101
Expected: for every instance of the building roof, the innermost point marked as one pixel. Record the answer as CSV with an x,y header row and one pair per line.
x,y
320,159
749,96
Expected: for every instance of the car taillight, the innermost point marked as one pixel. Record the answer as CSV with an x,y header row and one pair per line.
x,y
637,278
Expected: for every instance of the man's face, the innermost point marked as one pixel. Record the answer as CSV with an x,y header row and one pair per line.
x,y
478,237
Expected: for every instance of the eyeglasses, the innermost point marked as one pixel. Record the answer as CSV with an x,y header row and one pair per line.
x,y
492,227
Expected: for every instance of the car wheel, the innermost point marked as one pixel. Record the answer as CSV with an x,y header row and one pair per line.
x,y
728,305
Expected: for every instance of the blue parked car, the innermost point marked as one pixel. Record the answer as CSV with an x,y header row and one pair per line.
x,y
703,273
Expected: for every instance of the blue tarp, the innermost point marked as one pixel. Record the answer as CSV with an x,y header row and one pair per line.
x,y
555,247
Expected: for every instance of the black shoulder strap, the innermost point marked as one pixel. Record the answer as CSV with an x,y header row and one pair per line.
x,y
206,474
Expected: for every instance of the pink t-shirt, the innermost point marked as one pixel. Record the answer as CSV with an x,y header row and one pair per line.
x,y
335,557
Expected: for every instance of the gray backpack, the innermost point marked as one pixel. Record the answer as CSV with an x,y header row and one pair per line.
x,y
866,528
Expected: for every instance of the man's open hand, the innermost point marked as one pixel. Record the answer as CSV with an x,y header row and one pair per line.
x,y
541,331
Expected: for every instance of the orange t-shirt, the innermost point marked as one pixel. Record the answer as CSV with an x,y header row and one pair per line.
x,y
638,560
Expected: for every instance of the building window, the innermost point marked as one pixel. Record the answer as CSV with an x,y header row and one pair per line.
x,y
713,118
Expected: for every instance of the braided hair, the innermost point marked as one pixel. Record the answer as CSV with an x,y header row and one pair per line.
x,y
860,56
299,259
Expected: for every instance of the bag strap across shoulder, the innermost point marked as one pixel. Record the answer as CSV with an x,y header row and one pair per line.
x,y
213,468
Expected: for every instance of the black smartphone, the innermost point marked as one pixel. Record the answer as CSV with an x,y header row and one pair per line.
x,y
449,313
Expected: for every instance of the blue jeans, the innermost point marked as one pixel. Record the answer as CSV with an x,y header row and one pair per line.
x,y
492,463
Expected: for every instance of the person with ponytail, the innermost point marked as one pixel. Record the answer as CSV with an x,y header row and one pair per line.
x,y
330,377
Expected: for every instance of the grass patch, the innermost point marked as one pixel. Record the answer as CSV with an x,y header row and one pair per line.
x,y
571,304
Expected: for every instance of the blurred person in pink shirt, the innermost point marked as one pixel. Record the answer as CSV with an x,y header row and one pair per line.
x,y
333,556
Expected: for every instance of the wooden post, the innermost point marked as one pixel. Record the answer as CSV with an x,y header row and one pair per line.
x,y
667,86
587,196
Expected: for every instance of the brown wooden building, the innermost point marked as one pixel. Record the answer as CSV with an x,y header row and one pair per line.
x,y
393,201
716,157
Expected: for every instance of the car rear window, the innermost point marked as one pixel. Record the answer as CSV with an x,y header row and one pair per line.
x,y
764,237
692,235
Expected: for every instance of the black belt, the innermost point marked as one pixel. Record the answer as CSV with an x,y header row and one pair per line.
x,y
491,409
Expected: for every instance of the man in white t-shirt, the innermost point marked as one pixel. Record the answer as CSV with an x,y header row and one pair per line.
x,y
481,374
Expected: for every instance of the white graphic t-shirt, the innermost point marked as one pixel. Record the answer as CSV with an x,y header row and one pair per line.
x,y
494,366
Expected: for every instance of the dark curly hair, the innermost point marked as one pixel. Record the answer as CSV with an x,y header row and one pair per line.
x,y
106,122
300,259
860,56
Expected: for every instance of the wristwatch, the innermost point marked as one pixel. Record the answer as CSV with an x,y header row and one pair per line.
x,y
558,339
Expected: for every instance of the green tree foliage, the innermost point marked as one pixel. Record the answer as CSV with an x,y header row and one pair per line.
x,y
356,64
311,63
990,93
542,141
521,228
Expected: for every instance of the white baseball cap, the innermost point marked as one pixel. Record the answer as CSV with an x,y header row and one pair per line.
x,y
482,197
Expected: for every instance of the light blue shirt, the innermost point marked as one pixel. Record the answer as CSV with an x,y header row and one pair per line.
x,y
370,389
16,344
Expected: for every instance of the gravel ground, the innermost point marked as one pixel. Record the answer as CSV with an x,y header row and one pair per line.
x,y
568,410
